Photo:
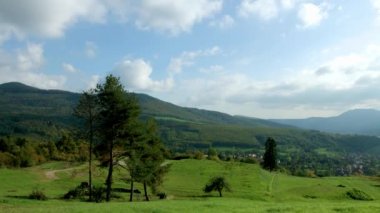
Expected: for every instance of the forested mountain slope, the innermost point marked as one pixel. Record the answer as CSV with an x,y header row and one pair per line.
x,y
45,114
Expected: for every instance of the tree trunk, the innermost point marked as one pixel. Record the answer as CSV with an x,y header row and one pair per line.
x,y
90,162
220,193
131,194
145,192
109,177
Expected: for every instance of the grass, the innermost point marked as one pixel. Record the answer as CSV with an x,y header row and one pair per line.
x,y
253,190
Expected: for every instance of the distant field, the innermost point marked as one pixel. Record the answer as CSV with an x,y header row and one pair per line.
x,y
254,190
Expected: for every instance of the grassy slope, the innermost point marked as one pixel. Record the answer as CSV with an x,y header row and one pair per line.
x,y
254,190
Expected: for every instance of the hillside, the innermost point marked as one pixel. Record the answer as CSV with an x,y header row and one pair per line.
x,y
359,121
46,114
21,106
253,190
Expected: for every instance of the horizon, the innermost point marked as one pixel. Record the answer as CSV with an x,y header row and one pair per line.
x,y
255,58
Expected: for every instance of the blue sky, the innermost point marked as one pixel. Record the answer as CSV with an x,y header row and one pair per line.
x,y
261,58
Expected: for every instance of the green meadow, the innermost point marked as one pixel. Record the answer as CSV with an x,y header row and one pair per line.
x,y
253,190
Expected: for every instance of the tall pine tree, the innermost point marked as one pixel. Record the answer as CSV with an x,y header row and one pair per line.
x,y
87,109
119,111
270,155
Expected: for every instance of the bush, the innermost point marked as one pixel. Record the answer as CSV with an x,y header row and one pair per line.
x,y
99,193
357,194
78,192
162,195
37,195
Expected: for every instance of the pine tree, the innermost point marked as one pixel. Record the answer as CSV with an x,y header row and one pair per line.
x,y
118,114
270,155
88,109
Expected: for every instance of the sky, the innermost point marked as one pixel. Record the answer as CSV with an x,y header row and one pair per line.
x,y
258,58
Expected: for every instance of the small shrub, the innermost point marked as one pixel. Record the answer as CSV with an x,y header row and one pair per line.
x,y
37,195
99,193
162,195
78,192
357,194
341,186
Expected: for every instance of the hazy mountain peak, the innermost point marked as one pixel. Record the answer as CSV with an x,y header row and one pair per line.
x,y
17,87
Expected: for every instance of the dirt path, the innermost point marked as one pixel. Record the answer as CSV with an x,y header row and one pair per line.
x,y
52,173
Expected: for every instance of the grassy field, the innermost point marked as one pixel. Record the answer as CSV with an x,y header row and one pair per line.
x,y
254,190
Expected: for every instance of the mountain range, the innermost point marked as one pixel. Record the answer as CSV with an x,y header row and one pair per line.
x,y
45,114
358,121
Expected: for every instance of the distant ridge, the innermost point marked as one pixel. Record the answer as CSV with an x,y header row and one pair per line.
x,y
357,121
17,87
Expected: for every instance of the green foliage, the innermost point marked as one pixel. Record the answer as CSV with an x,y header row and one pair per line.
x,y
212,153
357,194
270,155
145,157
37,194
117,117
217,183
99,193
78,192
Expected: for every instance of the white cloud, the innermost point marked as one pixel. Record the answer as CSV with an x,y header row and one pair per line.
x,y
288,4
187,58
376,7
69,68
264,9
47,18
50,18
30,58
225,22
213,69
90,49
311,15
174,16
136,75
24,66
94,80
340,83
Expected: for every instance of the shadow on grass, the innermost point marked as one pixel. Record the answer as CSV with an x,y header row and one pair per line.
x,y
18,196
201,196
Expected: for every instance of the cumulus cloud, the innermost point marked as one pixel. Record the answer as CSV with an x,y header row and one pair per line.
x,y
174,16
136,75
47,18
31,58
264,9
311,15
50,18
343,82
69,68
24,66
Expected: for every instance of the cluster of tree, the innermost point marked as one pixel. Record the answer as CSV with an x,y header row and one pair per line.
x,y
112,128
313,164
25,152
